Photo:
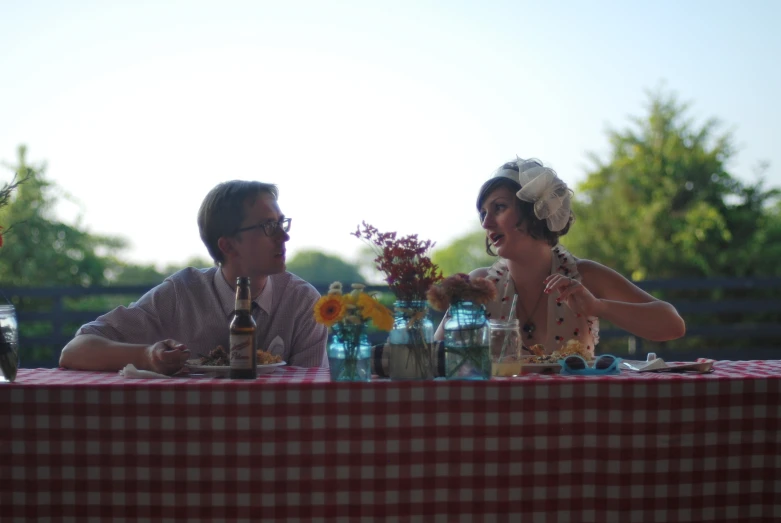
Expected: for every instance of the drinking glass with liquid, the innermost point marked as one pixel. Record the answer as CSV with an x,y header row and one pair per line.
x,y
505,347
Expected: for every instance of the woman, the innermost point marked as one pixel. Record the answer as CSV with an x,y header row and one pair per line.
x,y
525,209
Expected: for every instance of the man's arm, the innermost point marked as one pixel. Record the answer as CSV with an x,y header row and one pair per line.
x,y
133,334
92,352
309,345
309,337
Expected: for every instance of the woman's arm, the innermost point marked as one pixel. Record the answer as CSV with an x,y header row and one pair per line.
x,y
606,294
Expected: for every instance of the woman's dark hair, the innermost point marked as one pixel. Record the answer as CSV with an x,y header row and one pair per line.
x,y
536,228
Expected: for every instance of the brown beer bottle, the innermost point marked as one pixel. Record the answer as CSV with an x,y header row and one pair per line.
x,y
242,334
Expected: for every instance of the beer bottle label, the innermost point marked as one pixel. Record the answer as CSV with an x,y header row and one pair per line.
x,y
243,305
241,350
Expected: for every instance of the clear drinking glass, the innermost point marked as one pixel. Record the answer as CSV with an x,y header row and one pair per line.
x,y
505,347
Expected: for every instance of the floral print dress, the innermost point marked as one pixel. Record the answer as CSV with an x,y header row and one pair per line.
x,y
563,323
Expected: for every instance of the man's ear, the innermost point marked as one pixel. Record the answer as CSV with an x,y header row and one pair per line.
x,y
227,246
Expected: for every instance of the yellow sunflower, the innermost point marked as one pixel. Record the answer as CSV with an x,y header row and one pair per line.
x,y
367,304
330,309
382,318
376,311
349,299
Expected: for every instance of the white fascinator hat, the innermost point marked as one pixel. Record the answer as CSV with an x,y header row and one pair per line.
x,y
542,187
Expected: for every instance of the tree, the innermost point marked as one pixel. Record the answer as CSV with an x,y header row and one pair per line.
x,y
319,268
464,254
149,274
664,204
41,250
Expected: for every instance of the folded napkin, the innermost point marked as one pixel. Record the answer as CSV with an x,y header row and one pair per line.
x,y
276,347
130,371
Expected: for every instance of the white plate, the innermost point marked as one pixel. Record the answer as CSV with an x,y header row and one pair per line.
x,y
539,368
223,372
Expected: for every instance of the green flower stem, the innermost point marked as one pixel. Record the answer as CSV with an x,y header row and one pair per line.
x,y
419,349
350,338
473,352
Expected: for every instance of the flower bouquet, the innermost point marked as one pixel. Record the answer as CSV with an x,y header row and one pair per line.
x,y
467,351
409,273
347,317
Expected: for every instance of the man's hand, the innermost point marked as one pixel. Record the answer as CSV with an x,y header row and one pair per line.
x,y
167,356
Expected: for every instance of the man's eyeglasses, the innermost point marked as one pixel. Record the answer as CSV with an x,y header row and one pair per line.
x,y
605,364
270,228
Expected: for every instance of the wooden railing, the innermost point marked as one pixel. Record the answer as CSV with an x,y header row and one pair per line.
x,y
727,318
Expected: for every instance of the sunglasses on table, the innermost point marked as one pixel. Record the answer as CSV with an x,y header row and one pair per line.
x,y
270,227
602,365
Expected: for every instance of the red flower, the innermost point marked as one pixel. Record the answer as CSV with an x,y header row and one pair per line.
x,y
408,270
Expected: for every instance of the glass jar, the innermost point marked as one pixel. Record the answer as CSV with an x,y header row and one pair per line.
x,y
506,346
466,343
381,359
410,355
349,353
9,343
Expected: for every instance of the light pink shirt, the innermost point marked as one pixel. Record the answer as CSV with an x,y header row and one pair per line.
x,y
194,307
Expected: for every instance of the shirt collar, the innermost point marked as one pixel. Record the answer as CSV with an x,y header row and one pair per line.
x,y
227,294
264,300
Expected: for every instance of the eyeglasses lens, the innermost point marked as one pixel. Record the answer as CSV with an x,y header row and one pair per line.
x,y
272,228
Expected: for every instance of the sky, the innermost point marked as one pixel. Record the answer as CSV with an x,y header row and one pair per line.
x,y
390,112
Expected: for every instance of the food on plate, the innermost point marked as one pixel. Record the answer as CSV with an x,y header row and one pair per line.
x,y
266,358
538,349
575,347
218,357
545,358
572,347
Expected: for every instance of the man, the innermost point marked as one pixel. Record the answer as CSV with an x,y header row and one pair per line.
x,y
188,314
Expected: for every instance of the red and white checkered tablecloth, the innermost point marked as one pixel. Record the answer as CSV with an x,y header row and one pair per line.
x,y
292,446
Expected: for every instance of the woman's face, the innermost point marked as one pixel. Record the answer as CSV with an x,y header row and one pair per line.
x,y
499,217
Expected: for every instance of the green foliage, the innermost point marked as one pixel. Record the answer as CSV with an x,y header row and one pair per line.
x,y
664,205
132,274
464,254
40,250
320,268
770,239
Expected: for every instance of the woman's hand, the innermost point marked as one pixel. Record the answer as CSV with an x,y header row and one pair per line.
x,y
574,294
167,356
